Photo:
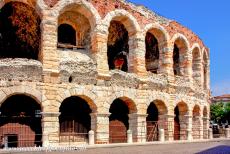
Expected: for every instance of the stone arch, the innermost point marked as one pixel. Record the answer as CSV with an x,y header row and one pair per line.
x,y
121,119
180,120
75,118
129,100
28,2
121,48
196,63
158,30
180,46
84,7
125,18
183,108
196,110
86,95
156,38
160,104
21,117
130,104
155,120
25,90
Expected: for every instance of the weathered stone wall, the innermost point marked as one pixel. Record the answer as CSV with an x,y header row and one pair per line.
x,y
85,73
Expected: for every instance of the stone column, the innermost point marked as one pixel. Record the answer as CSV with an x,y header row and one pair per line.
x,y
227,132
185,126
48,54
100,125
210,133
198,73
165,59
129,136
99,52
50,125
205,127
188,68
137,124
161,135
166,122
201,127
91,137
136,60
196,127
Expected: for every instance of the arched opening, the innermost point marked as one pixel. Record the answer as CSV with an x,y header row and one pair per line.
x,y
117,46
205,69
152,53
155,120
180,121
19,31
119,119
66,34
74,120
196,65
205,122
20,122
196,122
74,28
176,60
152,123
179,52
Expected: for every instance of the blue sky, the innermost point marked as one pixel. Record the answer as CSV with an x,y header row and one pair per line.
x,y
210,20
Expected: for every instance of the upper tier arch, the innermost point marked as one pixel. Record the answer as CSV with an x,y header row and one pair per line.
x,y
125,18
81,6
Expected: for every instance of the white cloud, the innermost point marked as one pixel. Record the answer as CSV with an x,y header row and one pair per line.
x,y
221,88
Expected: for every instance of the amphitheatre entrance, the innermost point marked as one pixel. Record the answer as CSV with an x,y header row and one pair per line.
x,y
75,120
20,122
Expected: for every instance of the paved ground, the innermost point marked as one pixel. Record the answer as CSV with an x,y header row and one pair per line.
x,y
218,147
222,147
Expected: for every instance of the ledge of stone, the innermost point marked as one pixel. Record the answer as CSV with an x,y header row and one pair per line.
x,y
20,69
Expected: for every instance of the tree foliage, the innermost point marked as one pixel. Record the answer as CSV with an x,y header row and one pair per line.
x,y
220,112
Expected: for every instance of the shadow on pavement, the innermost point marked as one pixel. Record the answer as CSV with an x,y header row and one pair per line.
x,y
222,149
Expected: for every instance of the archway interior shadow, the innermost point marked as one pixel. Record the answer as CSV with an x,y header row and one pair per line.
x,y
176,124
152,122
19,31
75,118
118,47
119,121
18,113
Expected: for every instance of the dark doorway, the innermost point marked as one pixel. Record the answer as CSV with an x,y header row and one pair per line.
x,y
12,140
118,122
152,53
152,123
20,116
66,35
19,31
176,60
118,47
176,124
75,120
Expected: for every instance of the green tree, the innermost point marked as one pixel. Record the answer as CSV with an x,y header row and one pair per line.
x,y
227,111
217,112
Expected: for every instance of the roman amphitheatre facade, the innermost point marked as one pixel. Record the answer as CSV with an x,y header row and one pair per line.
x,y
68,67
